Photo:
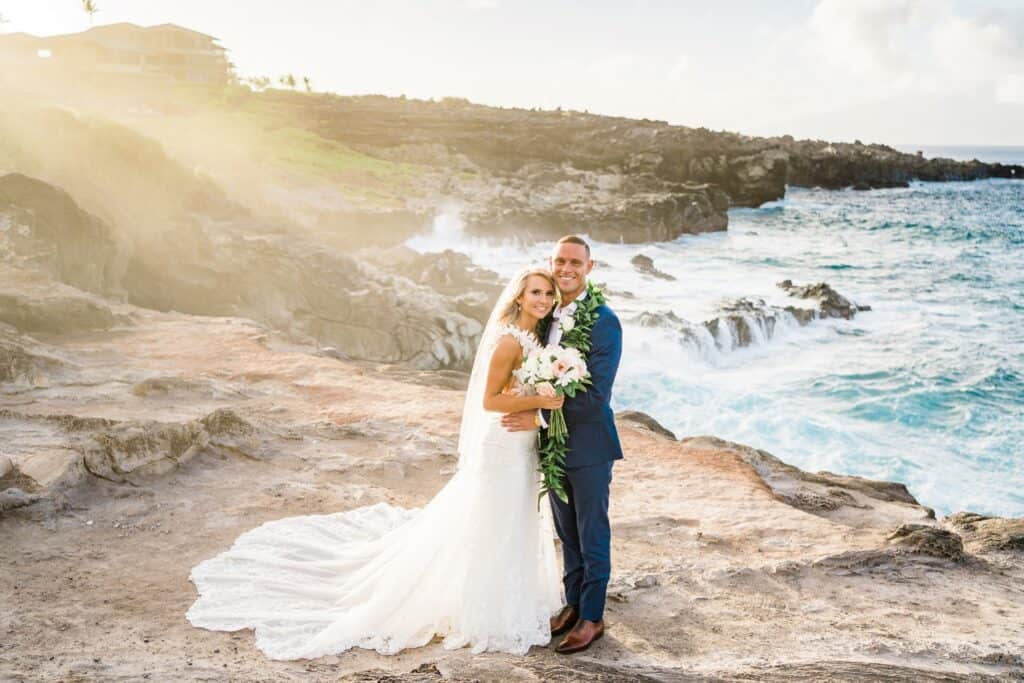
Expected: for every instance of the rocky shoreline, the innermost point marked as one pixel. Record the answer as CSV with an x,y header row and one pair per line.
x,y
626,179
181,361
378,169
133,453
140,438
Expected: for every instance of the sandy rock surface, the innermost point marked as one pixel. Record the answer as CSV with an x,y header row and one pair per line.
x,y
153,446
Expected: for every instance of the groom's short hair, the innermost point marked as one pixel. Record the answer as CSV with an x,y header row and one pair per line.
x,y
575,239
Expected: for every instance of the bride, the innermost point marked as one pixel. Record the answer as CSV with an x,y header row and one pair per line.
x,y
475,566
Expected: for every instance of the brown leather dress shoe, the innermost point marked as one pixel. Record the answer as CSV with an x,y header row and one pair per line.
x,y
564,620
581,637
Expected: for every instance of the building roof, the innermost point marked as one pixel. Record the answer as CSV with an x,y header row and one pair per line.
x,y
120,27
182,28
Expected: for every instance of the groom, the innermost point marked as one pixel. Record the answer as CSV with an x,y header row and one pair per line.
x,y
582,523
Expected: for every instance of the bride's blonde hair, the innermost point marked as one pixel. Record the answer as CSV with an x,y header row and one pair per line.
x,y
510,311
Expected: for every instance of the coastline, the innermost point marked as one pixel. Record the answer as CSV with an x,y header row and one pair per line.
x,y
728,564
223,341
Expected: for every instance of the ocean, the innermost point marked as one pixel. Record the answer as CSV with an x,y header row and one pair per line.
x,y
993,154
927,388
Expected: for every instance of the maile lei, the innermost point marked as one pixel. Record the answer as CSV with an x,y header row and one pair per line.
x,y
576,332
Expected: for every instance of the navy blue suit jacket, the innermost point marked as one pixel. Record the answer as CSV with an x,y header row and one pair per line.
x,y
593,438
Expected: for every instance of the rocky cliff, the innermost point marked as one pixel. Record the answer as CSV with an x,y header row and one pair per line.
x,y
203,265
374,169
635,180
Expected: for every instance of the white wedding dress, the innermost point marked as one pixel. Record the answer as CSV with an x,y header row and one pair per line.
x,y
475,566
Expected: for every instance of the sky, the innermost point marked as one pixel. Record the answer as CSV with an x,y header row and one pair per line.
x,y
928,72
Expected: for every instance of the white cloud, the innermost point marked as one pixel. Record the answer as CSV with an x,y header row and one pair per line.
x,y
1010,90
892,70
881,48
679,68
615,67
865,37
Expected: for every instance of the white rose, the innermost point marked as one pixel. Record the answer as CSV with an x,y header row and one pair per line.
x,y
566,323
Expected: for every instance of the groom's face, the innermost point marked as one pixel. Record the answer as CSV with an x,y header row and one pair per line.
x,y
570,264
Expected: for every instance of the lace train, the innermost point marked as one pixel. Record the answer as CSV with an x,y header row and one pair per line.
x,y
476,565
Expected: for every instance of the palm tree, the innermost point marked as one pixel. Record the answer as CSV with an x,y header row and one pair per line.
x,y
308,83
90,8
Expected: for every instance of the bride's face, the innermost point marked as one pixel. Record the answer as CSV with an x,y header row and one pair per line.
x,y
538,297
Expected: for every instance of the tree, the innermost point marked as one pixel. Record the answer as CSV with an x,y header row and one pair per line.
x,y
259,82
308,83
90,8
287,80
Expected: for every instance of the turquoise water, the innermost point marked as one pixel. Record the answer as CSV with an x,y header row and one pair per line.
x,y
926,389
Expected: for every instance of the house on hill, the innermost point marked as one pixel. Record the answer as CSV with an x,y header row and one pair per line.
x,y
163,51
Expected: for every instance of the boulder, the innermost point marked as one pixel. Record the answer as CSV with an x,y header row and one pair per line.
x,y
473,289
131,451
831,304
645,421
645,265
927,539
42,224
58,312
985,534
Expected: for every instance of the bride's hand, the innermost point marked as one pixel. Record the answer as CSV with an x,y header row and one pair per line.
x,y
550,402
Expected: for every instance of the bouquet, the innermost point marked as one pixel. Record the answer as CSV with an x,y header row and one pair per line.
x,y
554,371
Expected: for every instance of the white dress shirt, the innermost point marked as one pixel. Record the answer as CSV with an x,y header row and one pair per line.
x,y
555,333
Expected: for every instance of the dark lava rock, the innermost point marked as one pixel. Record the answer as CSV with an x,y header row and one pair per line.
x,y
48,227
474,290
501,141
634,217
645,264
831,304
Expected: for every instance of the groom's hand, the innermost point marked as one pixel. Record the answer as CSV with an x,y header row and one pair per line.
x,y
520,422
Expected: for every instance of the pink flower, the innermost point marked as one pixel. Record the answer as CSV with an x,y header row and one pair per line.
x,y
546,389
559,367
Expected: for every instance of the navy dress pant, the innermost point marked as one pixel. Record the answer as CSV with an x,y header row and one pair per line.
x,y
583,527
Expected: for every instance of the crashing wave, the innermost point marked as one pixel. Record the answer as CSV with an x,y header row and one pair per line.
x,y
748,322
